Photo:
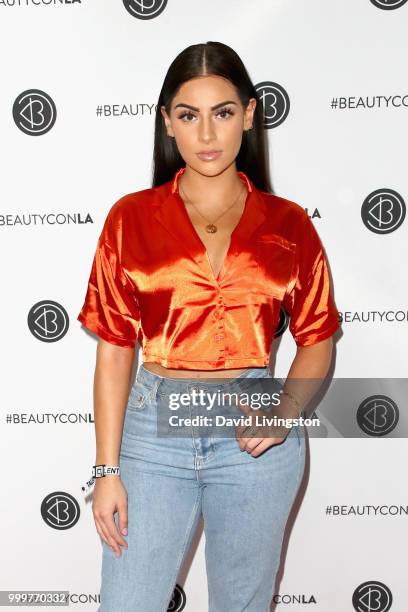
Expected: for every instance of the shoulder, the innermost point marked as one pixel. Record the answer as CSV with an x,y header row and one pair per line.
x,y
133,202
286,209
286,218
130,211
136,204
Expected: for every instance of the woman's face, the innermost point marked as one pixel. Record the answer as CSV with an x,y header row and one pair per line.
x,y
206,115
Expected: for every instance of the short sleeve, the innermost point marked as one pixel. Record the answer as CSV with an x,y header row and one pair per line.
x,y
110,309
309,302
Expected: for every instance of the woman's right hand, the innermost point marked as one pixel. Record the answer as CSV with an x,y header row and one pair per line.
x,y
110,496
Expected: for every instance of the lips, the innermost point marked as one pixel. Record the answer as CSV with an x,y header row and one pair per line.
x,y
208,155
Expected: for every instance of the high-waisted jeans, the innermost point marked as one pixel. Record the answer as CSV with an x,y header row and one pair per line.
x,y
245,502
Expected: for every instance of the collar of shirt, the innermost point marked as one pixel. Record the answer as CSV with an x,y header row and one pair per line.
x,y
171,213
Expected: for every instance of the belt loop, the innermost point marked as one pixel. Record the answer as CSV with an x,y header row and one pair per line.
x,y
155,388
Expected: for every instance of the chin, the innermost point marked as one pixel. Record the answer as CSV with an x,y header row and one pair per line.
x,y
210,168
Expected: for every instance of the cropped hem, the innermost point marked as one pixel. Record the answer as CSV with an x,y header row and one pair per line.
x,y
220,363
97,329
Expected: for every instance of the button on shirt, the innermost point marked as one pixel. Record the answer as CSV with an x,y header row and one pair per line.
x,y
151,281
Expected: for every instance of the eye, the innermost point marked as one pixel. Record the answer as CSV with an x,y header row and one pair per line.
x,y
226,110
186,114
224,113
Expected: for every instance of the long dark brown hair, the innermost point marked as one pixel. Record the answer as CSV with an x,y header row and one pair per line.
x,y
211,58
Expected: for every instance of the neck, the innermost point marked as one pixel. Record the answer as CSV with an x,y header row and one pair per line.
x,y
222,187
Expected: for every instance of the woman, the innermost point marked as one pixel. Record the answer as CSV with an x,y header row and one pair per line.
x,y
196,269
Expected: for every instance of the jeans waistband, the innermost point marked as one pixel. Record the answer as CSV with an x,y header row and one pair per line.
x,y
168,384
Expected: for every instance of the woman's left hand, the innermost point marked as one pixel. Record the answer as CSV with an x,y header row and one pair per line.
x,y
261,436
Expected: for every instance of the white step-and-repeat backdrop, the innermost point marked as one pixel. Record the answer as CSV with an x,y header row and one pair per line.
x,y
79,83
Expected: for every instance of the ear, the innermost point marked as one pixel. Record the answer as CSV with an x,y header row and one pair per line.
x,y
249,114
166,121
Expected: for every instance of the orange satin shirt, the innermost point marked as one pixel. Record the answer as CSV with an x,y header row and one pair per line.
x,y
151,281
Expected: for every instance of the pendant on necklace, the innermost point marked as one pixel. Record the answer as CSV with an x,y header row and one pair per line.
x,y
211,228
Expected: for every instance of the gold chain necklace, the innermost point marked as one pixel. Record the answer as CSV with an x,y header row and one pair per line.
x,y
211,228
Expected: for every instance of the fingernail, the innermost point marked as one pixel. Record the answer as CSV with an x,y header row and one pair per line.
x,y
124,531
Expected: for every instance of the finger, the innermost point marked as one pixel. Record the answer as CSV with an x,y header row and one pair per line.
x,y
106,523
251,443
251,433
266,443
104,533
239,433
242,438
99,527
123,521
114,532
261,447
247,433
241,442
99,530
240,429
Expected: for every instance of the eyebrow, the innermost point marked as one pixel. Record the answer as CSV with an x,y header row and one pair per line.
x,y
194,108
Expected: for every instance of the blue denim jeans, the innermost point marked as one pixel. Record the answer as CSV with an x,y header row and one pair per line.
x,y
170,481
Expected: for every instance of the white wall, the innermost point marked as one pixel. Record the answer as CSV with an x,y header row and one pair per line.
x,y
90,53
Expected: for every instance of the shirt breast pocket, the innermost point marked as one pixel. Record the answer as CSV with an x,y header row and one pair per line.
x,y
276,263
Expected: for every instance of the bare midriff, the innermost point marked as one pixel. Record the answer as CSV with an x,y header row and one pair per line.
x,y
156,368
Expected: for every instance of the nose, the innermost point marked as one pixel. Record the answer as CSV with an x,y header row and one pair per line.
x,y
206,131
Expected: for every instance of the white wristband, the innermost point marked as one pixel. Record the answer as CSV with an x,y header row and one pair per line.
x,y
99,471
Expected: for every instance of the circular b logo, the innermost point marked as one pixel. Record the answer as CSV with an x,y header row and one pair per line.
x,y
48,321
34,112
372,596
275,103
145,9
377,415
383,211
388,5
60,510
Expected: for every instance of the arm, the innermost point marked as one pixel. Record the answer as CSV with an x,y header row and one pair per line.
x,y
111,311
314,319
111,390
312,361
306,374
